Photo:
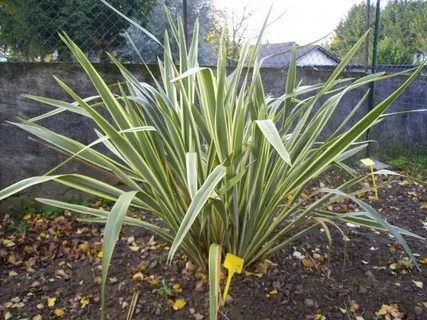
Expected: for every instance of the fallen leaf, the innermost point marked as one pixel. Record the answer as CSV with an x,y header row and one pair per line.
x,y
37,317
273,292
262,267
138,276
419,284
307,263
425,304
59,312
256,274
319,316
18,305
15,300
359,318
177,288
84,301
391,311
84,246
189,266
12,260
61,273
343,310
130,240
151,280
8,243
7,316
51,302
179,304
99,255
354,307
13,273
423,261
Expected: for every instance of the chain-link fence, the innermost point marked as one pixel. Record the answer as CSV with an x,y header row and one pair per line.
x,y
29,32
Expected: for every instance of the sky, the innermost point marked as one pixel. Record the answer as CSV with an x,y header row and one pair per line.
x,y
303,21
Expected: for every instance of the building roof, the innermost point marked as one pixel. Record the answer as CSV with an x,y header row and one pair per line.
x,y
284,59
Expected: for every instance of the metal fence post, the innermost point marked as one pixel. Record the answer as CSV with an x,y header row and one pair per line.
x,y
371,97
367,26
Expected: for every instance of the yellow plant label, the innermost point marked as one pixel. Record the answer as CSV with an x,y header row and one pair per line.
x,y
234,264
367,162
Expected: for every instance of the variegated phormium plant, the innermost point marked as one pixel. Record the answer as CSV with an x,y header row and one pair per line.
x,y
221,163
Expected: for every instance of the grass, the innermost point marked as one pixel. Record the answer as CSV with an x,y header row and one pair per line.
x,y
414,164
50,212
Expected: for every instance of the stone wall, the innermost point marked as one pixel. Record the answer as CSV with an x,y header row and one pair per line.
x,y
22,157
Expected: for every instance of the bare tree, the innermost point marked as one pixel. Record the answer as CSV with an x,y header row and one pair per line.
x,y
233,27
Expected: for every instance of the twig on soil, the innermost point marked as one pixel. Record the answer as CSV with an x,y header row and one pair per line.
x,y
132,305
223,314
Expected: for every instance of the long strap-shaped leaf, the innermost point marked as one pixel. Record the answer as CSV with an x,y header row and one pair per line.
x,y
191,164
270,132
101,214
196,206
214,278
77,181
111,235
375,215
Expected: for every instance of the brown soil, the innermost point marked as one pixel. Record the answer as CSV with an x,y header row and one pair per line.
x,y
370,272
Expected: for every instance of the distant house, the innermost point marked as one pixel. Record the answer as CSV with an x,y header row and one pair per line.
x,y
313,55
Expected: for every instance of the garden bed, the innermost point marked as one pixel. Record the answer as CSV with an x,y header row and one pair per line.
x,y
51,268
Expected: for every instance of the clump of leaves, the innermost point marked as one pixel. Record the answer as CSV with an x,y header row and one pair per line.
x,y
390,312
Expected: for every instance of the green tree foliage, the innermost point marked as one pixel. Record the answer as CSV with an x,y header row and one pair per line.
x,y
157,23
350,30
393,51
402,37
29,29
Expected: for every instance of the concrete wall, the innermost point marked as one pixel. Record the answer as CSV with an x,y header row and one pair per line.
x,y
21,158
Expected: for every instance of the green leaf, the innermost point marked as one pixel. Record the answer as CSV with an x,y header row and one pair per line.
x,y
270,132
214,279
111,235
191,163
377,217
196,206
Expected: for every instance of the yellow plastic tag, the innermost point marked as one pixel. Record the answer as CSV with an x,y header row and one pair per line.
x,y
234,264
368,162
